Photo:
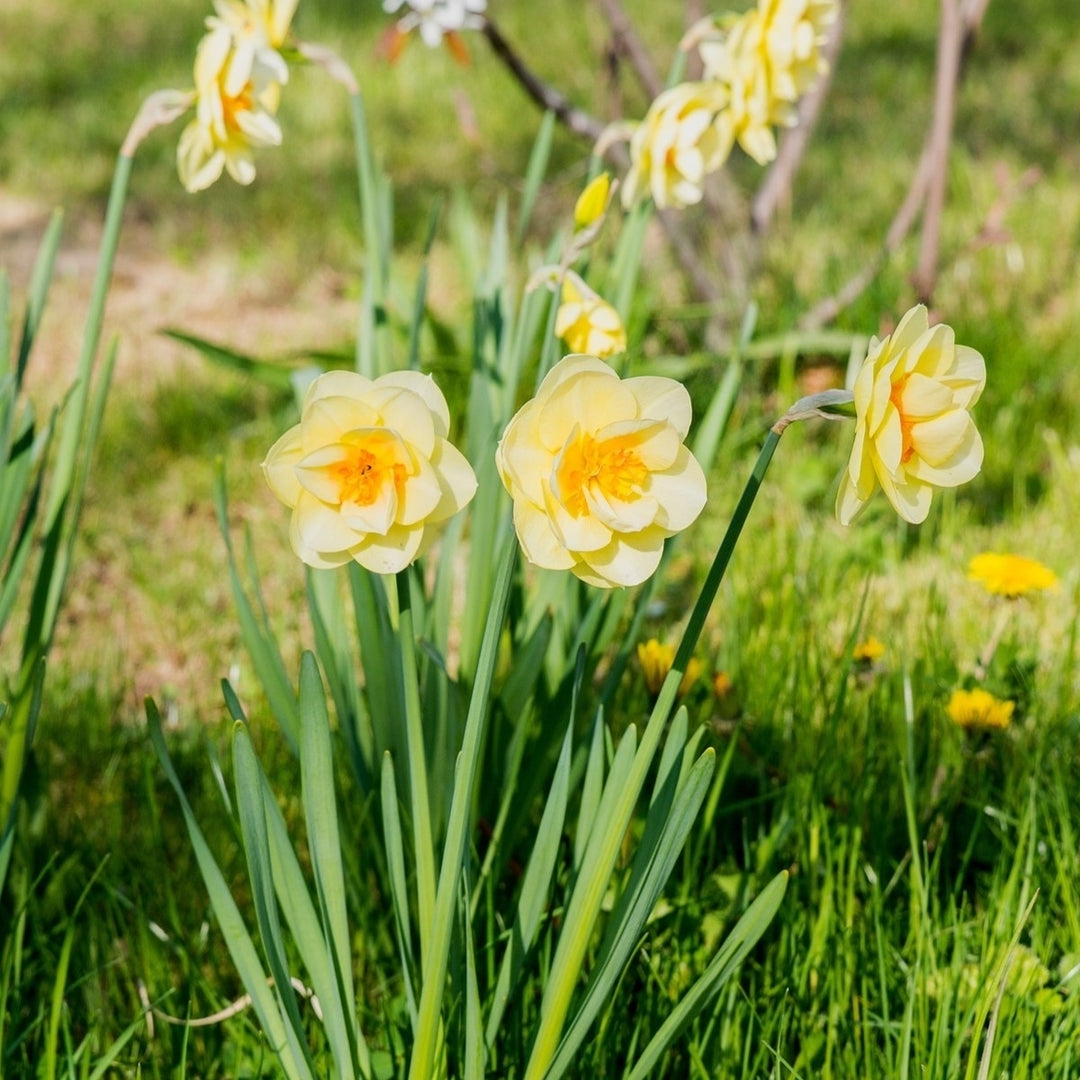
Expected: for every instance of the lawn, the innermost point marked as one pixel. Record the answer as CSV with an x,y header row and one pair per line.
x,y
930,922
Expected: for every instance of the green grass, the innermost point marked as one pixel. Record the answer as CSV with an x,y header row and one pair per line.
x,y
914,849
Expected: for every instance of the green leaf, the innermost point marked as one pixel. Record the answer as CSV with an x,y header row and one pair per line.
x,y
258,637
745,935
233,930
399,888
40,280
324,841
250,805
534,174
275,374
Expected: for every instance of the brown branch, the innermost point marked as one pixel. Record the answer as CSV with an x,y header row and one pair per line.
x,y
776,187
950,44
826,310
547,97
628,42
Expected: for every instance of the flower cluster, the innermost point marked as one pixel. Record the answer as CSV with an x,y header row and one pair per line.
x,y
239,72
755,68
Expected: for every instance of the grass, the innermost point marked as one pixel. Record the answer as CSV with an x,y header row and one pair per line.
x,y
915,850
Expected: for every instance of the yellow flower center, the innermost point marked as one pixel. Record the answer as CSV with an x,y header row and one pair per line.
x,y
612,467
231,107
896,396
367,469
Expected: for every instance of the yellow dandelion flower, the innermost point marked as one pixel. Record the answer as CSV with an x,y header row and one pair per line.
x,y
979,708
869,651
1010,575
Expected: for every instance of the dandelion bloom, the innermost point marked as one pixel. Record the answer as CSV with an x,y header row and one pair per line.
x,y
229,121
598,472
979,708
913,429
587,322
368,471
592,202
869,651
656,660
1010,575
677,145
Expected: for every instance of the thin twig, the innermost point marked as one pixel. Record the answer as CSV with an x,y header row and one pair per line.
x,y
776,187
950,45
906,216
547,97
631,46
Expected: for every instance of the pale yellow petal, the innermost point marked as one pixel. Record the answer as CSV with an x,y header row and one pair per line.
x,y
279,467
680,491
627,560
538,541
389,554
457,481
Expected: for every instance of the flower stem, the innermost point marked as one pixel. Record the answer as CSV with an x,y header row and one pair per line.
x,y
420,807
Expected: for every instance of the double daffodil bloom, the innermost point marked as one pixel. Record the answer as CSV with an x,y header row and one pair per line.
x,y
677,145
586,321
913,428
598,472
369,470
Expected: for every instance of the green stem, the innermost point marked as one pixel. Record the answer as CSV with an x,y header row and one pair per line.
x,y
71,440
371,344
429,1018
420,807
584,907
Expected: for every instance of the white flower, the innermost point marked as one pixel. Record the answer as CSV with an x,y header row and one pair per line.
x,y
434,18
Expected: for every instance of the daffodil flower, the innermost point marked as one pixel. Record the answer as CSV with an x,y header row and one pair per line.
x,y
369,471
437,18
598,472
677,145
913,431
586,321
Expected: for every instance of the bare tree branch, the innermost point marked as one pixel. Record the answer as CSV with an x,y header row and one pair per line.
x,y
826,310
632,48
950,44
776,187
547,97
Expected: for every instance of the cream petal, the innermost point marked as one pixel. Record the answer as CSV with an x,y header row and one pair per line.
x,y
457,481
324,420
627,560
963,465
578,534
567,368
936,441
279,467
377,517
198,161
967,377
422,493
522,461
924,397
337,384
654,441
320,527
589,400
538,541
662,399
320,560
681,492
389,554
933,353
239,164
424,387
910,500
620,516
848,503
909,329
407,413
888,441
